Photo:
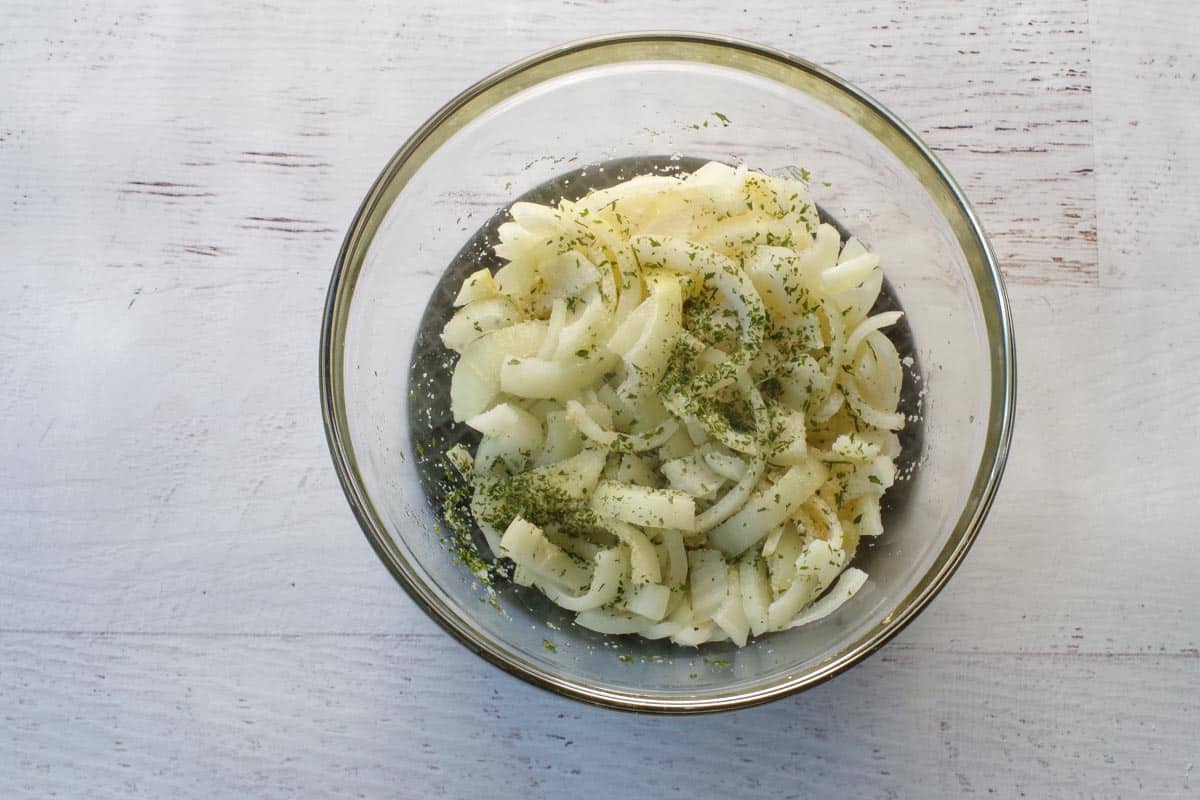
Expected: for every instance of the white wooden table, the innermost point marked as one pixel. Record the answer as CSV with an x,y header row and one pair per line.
x,y
187,608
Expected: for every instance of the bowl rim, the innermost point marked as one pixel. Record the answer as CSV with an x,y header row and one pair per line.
x,y
997,442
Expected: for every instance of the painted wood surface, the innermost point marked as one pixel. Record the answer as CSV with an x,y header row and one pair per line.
x,y
187,607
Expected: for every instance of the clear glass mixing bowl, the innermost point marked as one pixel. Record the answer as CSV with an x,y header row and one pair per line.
x,y
701,97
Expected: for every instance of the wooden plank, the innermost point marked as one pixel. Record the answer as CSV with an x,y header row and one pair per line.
x,y
270,128
1148,163
198,716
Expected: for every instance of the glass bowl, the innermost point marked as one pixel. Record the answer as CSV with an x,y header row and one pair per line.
x,y
632,97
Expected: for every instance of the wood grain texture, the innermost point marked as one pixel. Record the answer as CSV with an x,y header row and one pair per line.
x,y
368,716
187,608
1148,164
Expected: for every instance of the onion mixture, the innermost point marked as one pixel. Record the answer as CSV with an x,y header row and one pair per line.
x,y
687,411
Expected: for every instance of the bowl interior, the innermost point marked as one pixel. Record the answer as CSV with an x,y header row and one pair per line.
x,y
628,99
